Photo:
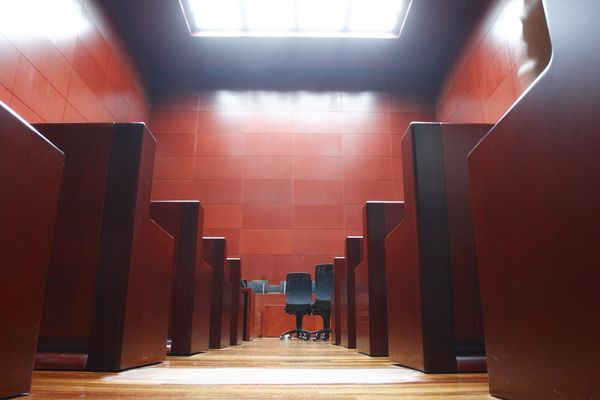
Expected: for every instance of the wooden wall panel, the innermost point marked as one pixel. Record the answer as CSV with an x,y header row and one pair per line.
x,y
213,252
535,189
102,284
190,299
380,217
31,171
353,257
434,308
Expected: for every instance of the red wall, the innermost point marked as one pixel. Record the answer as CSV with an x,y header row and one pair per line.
x,y
485,81
66,67
283,175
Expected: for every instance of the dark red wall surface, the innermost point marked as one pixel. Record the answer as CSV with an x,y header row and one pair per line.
x,y
535,184
76,71
283,175
31,169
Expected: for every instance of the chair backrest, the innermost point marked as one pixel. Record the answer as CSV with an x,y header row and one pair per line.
x,y
283,285
298,288
324,281
257,286
243,283
273,289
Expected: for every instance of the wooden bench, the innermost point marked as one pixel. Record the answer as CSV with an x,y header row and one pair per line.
x,y
213,252
237,301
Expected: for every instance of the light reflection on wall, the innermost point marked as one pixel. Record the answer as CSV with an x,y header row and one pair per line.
x,y
56,19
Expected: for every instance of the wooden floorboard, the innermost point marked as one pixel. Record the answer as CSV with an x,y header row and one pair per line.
x,y
264,369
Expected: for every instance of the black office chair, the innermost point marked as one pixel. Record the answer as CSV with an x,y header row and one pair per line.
x,y
298,299
322,304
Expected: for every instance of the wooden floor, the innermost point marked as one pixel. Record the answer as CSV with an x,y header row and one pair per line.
x,y
264,369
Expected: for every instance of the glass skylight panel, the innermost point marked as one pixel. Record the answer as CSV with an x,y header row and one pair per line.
x,y
217,15
322,15
314,18
374,15
269,15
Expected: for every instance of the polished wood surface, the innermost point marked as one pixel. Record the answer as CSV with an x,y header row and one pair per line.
x,y
237,302
249,311
379,218
348,294
535,185
213,253
31,171
191,283
434,307
265,369
106,295
339,265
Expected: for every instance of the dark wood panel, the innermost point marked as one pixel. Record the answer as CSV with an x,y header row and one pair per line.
x,y
249,310
348,293
190,298
339,265
106,295
213,252
31,171
434,308
237,304
535,186
379,218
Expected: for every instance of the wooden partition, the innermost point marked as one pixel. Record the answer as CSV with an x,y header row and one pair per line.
x,y
237,301
379,218
339,265
107,296
434,322
213,252
191,283
249,310
347,326
30,177
535,182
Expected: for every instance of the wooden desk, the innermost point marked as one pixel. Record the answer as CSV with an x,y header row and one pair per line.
x,y
31,171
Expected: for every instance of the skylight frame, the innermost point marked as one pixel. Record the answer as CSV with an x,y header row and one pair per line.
x,y
295,32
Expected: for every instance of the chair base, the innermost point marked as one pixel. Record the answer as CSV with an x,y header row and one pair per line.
x,y
321,334
300,334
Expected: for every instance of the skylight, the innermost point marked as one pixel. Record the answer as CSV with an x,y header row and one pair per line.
x,y
302,18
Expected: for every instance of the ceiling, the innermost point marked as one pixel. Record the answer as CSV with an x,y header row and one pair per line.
x,y
157,35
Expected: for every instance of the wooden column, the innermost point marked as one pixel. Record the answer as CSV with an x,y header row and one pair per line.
x,y
31,171
380,217
535,182
434,308
107,296
191,283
